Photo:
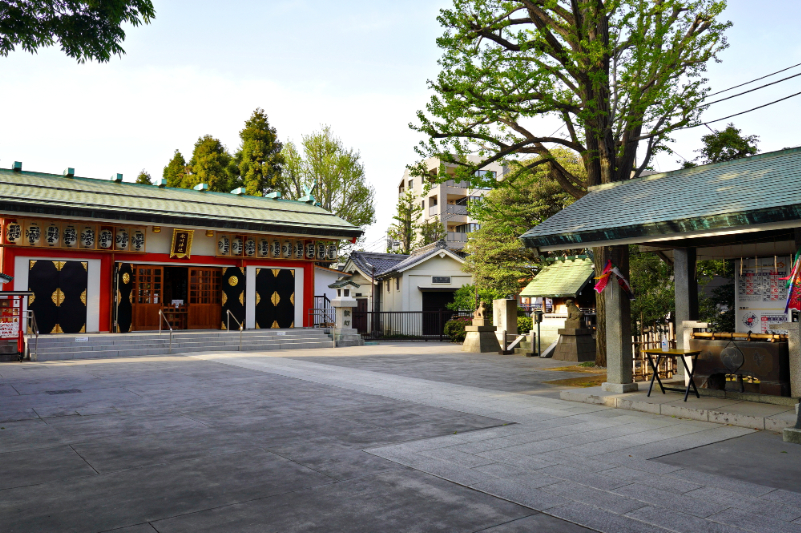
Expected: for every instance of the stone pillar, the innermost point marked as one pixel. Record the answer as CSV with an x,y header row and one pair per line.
x,y
618,328
504,318
686,290
794,351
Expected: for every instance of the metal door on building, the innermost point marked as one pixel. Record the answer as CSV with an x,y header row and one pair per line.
x,y
360,315
435,311
233,296
275,298
59,295
123,281
205,298
147,296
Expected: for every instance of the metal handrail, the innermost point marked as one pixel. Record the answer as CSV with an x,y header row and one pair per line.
x,y
161,314
34,328
228,325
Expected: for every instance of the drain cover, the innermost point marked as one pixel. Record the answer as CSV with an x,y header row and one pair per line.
x,y
65,391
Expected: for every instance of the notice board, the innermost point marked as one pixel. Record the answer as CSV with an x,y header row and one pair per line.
x,y
760,295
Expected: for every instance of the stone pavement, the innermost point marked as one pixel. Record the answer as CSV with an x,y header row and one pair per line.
x,y
285,442
590,465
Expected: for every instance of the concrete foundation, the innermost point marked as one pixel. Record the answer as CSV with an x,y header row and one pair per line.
x,y
575,345
480,339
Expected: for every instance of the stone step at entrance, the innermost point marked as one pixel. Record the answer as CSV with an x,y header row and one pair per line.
x,y
104,345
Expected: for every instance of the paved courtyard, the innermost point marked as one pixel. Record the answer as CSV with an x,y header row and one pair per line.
x,y
405,437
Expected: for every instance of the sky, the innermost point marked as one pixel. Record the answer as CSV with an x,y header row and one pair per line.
x,y
360,67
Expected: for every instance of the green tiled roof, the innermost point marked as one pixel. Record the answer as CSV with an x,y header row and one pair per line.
x,y
561,279
757,190
38,194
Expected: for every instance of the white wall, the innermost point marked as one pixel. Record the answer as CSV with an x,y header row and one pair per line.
x,y
410,297
21,267
324,277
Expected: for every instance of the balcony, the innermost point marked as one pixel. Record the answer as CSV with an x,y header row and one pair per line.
x,y
433,210
457,184
454,236
457,209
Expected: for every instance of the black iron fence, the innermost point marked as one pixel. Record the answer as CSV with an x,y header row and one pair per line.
x,y
404,325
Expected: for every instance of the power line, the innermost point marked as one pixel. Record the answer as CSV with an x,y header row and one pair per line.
x,y
752,81
740,113
754,89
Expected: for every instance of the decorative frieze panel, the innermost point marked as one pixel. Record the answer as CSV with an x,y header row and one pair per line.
x,y
42,233
266,247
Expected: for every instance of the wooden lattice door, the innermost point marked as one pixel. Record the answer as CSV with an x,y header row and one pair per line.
x,y
205,298
147,296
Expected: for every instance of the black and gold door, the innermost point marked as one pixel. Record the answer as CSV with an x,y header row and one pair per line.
x,y
124,292
275,298
233,295
59,295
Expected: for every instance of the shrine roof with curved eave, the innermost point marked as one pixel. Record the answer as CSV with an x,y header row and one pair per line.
x,y
761,190
38,194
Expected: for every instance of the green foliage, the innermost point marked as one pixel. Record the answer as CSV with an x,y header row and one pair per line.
x,y
176,172
613,72
727,145
526,197
404,230
259,157
431,231
464,299
211,164
144,178
85,29
652,282
524,324
336,171
455,328
718,308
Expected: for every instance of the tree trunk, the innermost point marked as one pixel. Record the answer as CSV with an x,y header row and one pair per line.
x,y
600,256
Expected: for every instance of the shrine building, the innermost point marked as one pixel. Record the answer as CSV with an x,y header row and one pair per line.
x,y
109,256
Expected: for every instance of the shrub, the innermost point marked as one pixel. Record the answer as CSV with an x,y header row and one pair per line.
x,y
455,328
524,324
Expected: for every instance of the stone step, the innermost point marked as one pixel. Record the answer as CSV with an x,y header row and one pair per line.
x,y
161,350
176,344
116,339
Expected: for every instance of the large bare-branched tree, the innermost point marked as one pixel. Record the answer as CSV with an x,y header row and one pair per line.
x,y
618,75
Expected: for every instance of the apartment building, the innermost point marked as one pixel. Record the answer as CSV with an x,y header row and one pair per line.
x,y
447,202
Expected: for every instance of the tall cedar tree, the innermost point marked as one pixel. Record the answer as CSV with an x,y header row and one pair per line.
x,y
404,230
615,73
527,196
213,165
259,156
85,30
337,173
144,178
175,172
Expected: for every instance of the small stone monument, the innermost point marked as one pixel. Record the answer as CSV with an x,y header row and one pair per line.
x,y
344,333
575,342
480,338
504,317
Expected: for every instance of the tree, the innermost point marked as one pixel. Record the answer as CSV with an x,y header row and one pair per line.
x,y
725,145
259,157
144,178
464,299
527,196
431,231
176,172
614,73
211,164
337,173
85,29
404,230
